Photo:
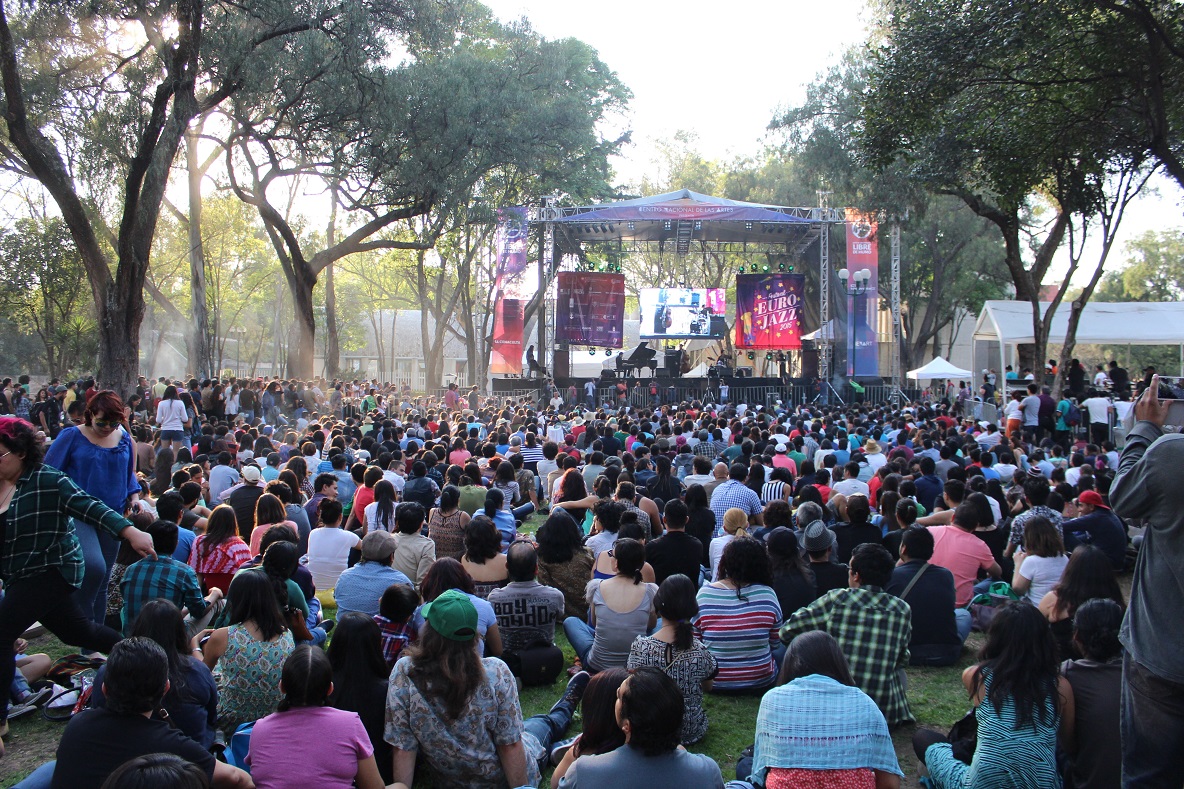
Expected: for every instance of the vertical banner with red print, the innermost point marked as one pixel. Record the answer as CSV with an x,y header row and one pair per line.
x,y
768,311
863,252
506,349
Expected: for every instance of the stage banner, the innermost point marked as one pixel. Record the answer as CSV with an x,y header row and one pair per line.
x,y
510,244
863,252
767,311
590,309
505,356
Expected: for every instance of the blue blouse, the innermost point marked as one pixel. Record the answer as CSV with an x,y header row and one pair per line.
x,y
107,474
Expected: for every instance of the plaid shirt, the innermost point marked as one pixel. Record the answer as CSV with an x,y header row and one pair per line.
x,y
40,535
708,449
395,636
149,579
873,629
731,493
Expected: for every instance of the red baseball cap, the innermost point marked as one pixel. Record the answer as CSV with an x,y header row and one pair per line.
x,y
1092,497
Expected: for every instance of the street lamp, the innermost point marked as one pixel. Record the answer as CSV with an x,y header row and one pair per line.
x,y
856,284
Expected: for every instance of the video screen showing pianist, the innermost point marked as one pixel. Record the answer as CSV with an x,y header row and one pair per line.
x,y
682,313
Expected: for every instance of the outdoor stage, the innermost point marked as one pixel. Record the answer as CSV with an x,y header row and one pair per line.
x,y
741,389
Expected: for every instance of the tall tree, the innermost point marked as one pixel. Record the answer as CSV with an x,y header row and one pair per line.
x,y
121,82
959,95
43,291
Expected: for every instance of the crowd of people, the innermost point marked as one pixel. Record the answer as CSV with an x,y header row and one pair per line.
x,y
196,534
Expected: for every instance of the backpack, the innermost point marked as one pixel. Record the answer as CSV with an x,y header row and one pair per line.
x,y
1073,416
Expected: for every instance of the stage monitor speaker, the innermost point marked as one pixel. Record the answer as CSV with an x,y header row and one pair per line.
x,y
809,363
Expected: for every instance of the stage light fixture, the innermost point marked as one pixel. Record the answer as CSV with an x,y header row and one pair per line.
x,y
781,267
742,269
751,355
631,226
667,225
748,225
769,356
790,268
766,268
608,351
591,351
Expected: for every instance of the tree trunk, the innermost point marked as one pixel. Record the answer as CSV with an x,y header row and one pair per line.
x,y
303,350
198,336
332,341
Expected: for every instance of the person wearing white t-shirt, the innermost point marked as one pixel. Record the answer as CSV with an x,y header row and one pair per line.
x,y
1041,562
1098,408
329,546
171,417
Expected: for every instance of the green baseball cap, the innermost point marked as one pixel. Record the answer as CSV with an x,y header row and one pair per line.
x,y
452,615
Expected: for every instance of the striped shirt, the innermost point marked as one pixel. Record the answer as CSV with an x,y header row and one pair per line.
x,y
738,630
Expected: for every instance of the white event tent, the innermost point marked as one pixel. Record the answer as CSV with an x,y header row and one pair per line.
x,y
1009,323
939,369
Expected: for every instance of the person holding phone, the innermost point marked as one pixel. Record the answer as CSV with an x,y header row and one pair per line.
x,y
1147,487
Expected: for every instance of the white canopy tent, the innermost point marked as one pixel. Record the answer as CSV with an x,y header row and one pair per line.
x,y
940,369
1009,323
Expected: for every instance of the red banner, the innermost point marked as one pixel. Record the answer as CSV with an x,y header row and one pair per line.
x,y
506,351
767,311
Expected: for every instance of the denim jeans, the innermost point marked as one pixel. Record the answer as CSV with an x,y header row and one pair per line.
x,y
549,729
98,552
523,512
580,635
41,778
962,620
1152,728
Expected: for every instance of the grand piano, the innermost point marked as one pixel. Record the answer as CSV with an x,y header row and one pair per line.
x,y
632,361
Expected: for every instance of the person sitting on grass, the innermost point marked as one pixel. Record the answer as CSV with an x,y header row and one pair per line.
x,y
396,621
650,712
872,627
278,755
96,742
816,701
459,713
164,577
600,732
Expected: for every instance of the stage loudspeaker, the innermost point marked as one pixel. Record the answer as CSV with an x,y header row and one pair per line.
x,y
809,363
561,362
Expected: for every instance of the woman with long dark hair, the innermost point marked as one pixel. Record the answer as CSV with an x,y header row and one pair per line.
x,y
379,515
447,522
700,520
817,701
218,554
1021,704
675,650
278,756
793,580
269,511
192,698
172,418
458,712
1089,575
739,616
564,562
360,679
250,651
601,733
502,518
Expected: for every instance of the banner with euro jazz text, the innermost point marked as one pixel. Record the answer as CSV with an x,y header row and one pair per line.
x,y
768,311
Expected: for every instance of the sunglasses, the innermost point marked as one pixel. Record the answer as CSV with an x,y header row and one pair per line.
x,y
103,424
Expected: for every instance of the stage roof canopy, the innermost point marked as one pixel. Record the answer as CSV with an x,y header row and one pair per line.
x,y
685,216
1102,323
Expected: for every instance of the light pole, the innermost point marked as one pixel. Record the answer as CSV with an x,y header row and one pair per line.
x,y
856,285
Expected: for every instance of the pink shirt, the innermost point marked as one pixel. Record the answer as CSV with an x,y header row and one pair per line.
x,y
280,755
781,461
258,532
963,554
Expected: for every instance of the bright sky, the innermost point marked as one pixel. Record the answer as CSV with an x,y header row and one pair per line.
x,y
721,70
717,69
